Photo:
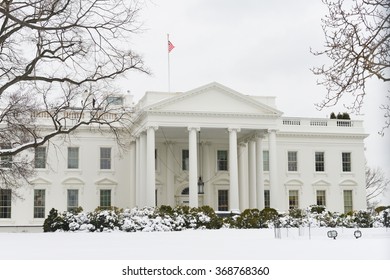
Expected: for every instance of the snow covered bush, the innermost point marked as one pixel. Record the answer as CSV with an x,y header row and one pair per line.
x,y
54,222
269,217
206,218
166,218
145,219
363,219
250,218
295,218
104,220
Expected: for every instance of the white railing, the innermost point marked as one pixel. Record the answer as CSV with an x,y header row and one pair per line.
x,y
320,122
291,122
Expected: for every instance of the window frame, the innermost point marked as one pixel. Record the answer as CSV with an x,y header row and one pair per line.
x,y
69,207
5,204
113,100
319,164
320,197
222,163
346,164
6,161
223,200
40,157
266,160
39,207
102,196
267,199
348,208
72,157
292,161
293,200
185,159
103,160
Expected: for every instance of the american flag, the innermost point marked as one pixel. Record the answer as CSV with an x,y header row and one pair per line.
x,y
170,46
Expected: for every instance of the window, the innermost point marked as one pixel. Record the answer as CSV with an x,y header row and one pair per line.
x,y
185,159
115,100
40,157
293,199
348,207
321,198
320,161
105,158
265,160
155,160
346,161
223,200
73,200
39,203
5,204
73,157
105,199
6,161
222,160
267,199
292,161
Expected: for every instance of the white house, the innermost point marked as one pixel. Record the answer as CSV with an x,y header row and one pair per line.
x,y
208,146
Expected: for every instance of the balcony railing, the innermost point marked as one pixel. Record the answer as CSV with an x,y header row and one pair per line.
x,y
320,123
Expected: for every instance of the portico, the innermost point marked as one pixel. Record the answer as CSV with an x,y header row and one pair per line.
x,y
220,133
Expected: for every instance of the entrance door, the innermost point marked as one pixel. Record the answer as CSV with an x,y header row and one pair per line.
x,y
184,199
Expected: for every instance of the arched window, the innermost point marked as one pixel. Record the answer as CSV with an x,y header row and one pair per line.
x,y
186,191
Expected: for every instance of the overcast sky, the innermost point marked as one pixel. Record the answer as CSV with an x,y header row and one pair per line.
x,y
254,47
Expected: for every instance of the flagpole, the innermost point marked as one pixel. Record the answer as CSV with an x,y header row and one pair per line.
x,y
169,67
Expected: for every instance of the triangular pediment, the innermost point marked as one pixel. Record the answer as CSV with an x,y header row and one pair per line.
x,y
106,181
321,183
40,181
214,98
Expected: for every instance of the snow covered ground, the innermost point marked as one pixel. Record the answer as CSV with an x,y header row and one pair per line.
x,y
223,244
214,253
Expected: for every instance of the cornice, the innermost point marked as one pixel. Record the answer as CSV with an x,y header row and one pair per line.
x,y
211,114
323,134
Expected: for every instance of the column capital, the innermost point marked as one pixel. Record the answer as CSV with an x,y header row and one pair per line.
x,y
272,130
196,128
154,127
236,129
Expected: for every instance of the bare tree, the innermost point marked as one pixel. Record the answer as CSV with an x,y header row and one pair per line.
x,y
376,184
58,59
357,42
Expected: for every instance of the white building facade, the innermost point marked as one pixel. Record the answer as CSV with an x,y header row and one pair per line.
x,y
208,146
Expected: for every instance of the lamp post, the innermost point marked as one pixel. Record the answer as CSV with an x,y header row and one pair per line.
x,y
200,186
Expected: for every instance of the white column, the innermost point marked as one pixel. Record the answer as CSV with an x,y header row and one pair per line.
x,y
132,183
242,176
259,172
170,182
273,172
137,172
150,167
142,167
206,175
193,167
252,173
233,170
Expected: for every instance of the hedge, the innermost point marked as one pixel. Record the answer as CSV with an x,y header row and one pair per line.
x,y
166,218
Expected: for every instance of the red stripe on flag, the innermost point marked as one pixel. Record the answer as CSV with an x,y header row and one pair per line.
x,y
170,46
